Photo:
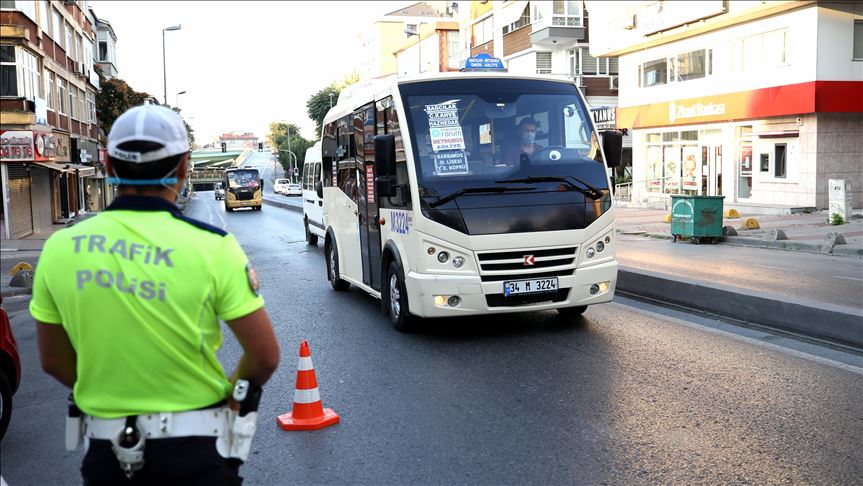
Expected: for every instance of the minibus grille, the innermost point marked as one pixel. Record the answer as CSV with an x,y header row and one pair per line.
x,y
528,263
244,195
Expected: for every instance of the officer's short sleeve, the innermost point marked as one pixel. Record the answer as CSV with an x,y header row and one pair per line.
x,y
237,284
42,305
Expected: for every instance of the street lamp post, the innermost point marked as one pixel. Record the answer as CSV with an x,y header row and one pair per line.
x,y
177,105
164,64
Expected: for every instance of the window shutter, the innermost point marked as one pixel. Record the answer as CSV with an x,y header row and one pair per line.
x,y
543,63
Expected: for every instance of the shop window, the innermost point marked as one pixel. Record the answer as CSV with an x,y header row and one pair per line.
x,y
758,52
779,161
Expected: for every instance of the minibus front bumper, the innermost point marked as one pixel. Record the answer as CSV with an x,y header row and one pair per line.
x,y
430,295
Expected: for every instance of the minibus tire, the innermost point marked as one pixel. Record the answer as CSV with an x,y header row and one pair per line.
x,y
311,239
400,315
338,284
572,311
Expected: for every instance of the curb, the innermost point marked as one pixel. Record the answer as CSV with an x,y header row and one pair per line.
x,y
283,205
839,325
839,250
13,291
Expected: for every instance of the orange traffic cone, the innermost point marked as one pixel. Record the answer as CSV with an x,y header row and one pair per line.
x,y
308,413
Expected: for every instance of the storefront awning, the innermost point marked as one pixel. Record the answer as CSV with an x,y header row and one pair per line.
x,y
82,170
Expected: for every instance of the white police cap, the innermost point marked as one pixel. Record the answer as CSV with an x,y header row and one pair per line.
x,y
148,123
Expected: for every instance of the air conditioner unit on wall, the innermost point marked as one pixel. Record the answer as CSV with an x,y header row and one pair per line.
x,y
614,83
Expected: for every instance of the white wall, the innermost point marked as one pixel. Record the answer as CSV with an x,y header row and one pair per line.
x,y
835,42
801,67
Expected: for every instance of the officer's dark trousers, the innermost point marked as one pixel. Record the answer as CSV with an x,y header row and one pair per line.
x,y
180,460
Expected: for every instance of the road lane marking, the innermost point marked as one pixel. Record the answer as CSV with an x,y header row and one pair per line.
x,y
850,278
757,342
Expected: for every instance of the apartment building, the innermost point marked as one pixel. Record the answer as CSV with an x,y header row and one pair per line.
x,y
434,48
549,38
48,128
378,44
106,46
759,102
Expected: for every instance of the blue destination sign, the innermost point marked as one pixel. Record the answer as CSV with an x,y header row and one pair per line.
x,y
482,62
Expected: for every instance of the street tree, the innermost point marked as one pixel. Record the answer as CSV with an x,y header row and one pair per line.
x,y
115,96
320,103
278,139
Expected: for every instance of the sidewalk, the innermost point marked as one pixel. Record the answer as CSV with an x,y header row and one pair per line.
x,y
805,232
796,285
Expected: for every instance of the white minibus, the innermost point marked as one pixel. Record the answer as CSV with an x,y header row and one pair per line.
x,y
313,210
468,193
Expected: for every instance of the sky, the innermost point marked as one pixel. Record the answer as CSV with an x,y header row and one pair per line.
x,y
242,64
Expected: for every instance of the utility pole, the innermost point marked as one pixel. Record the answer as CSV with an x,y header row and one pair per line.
x,y
291,163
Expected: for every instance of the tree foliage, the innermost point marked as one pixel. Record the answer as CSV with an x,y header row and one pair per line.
x,y
320,103
115,96
278,139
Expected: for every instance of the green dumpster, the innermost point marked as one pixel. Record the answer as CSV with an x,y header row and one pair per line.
x,y
698,218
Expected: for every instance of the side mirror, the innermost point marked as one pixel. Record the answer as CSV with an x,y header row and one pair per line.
x,y
612,146
319,189
385,155
385,186
262,184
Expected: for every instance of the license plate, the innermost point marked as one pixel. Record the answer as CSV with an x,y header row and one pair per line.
x,y
530,286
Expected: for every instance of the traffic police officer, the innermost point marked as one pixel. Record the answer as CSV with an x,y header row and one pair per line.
x,y
127,305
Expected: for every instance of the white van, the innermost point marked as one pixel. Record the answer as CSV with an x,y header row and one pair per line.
x,y
313,203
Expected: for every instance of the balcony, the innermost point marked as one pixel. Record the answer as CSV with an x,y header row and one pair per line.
x,y
549,35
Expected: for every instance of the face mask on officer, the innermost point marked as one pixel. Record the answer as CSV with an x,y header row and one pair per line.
x,y
528,137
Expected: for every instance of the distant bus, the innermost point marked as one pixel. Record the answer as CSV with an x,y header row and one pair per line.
x,y
244,188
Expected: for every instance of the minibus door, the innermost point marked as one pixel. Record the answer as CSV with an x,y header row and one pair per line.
x,y
370,231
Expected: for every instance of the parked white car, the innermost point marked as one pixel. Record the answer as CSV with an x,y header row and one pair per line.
x,y
281,186
294,190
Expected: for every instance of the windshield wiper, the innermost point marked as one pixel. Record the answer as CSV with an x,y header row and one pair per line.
x,y
470,190
590,190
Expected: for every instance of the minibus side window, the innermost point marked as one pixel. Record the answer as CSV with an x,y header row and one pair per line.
x,y
402,200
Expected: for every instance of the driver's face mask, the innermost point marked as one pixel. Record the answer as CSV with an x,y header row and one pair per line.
x,y
528,138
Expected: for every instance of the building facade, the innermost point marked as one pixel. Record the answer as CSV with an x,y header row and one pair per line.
x,y
48,127
378,44
106,46
436,48
549,38
759,102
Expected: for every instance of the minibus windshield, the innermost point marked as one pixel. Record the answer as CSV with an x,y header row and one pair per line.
x,y
478,133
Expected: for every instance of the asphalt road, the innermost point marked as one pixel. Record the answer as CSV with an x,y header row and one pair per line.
x,y
803,277
628,394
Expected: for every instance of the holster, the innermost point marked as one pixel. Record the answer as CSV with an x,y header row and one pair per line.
x,y
74,426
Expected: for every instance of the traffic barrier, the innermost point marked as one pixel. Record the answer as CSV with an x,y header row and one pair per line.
x,y
308,412
21,266
666,218
731,213
750,224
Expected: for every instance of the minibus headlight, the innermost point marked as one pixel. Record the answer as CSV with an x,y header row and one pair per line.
x,y
443,257
590,252
458,262
600,246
